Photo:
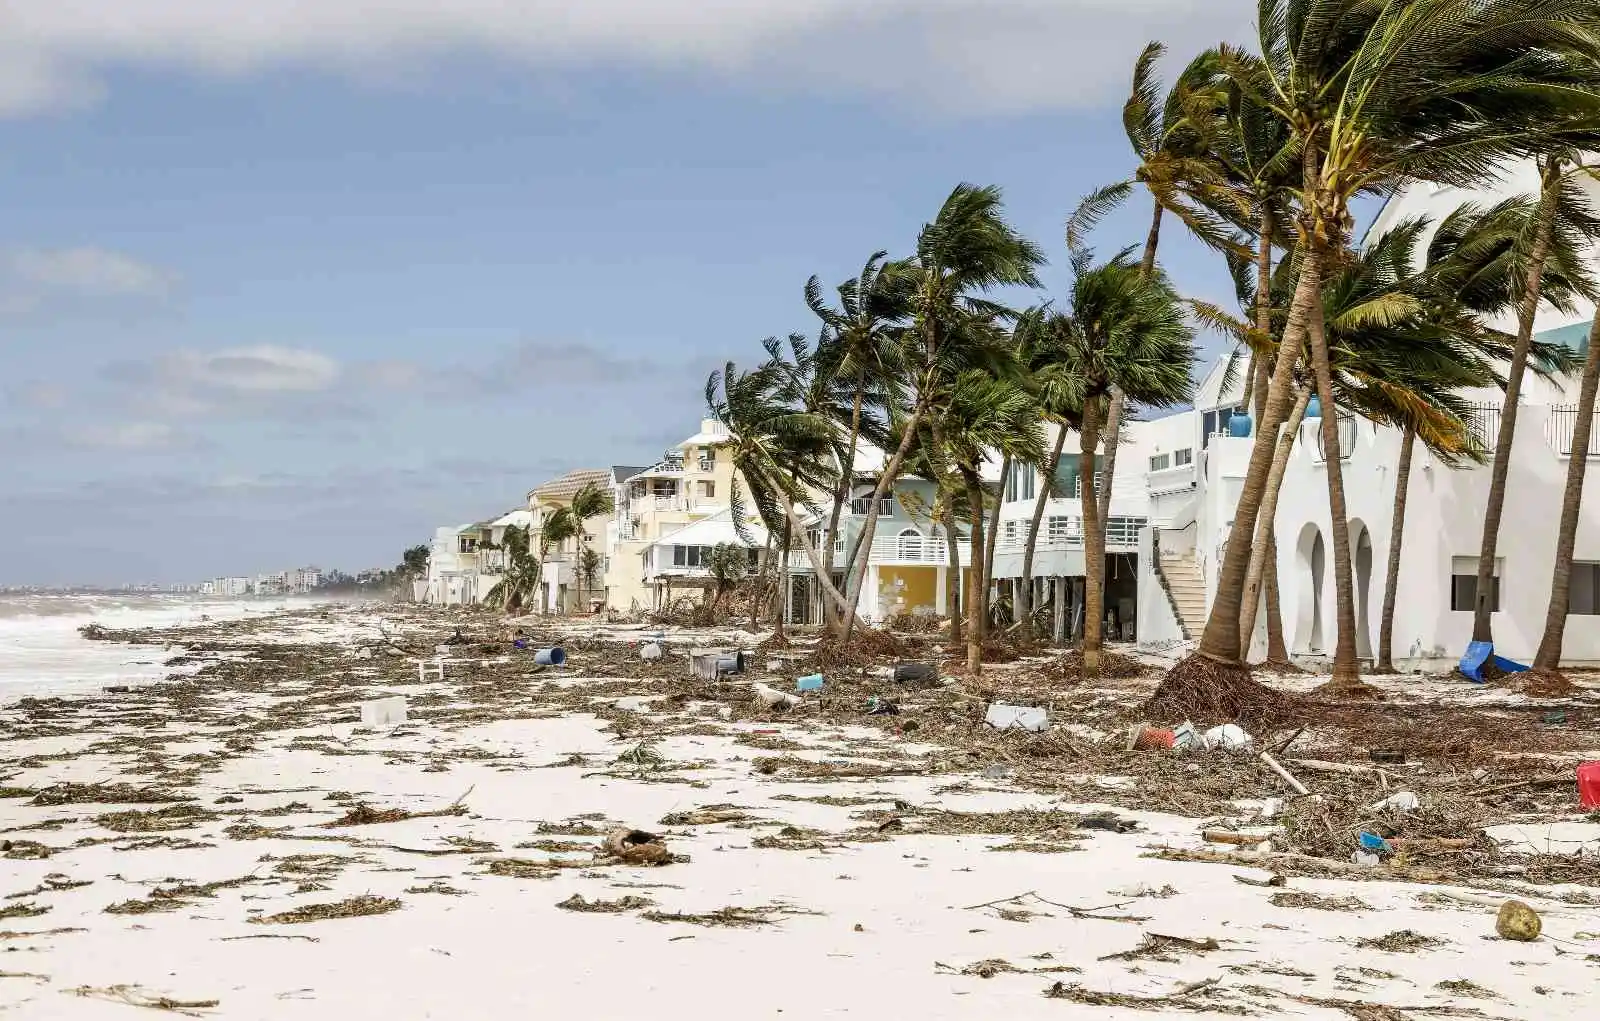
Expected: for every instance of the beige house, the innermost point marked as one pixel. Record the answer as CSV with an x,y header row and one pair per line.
x,y
570,578
691,484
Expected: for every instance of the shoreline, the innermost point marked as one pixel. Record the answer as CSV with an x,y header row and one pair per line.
x,y
196,839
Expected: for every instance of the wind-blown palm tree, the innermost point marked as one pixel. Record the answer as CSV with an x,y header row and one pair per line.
x,y
1555,622
864,332
520,583
984,413
1380,94
1564,218
966,251
1040,353
1127,331
780,456
565,523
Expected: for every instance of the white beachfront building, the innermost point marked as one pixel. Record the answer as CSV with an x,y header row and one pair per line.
x,y
1179,477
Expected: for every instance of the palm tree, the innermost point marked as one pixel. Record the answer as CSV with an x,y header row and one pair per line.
x,y
1379,94
1555,621
864,332
1469,275
1127,330
590,501
984,413
1564,217
727,565
1039,351
1175,139
520,583
780,456
967,250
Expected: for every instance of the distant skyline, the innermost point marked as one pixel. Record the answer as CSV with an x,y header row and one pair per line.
x,y
301,287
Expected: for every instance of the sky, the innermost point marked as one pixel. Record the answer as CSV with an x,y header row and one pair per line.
x,y
300,287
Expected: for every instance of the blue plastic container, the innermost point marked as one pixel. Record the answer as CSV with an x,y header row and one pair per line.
x,y
553,656
1240,426
1314,407
810,682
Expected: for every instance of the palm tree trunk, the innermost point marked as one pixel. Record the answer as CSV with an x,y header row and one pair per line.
x,y
1220,641
1397,532
1346,671
857,570
1024,597
1007,465
759,584
1555,620
1277,650
785,582
952,580
1152,241
976,575
1261,545
1110,439
847,471
1527,310
1094,543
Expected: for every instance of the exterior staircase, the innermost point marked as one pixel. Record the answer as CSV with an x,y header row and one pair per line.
x,y
1186,591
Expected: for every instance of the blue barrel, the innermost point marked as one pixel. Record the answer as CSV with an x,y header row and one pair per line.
x,y
1314,408
553,656
733,664
1240,426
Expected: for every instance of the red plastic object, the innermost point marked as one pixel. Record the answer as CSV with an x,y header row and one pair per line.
x,y
1589,784
1152,739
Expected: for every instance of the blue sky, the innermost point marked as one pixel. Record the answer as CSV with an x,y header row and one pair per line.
x,y
298,289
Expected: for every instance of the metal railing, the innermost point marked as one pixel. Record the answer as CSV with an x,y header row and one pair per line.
x,y
1563,422
1483,422
860,507
1347,439
1066,533
920,549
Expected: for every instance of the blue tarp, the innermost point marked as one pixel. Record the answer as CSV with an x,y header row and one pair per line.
x,y
1479,653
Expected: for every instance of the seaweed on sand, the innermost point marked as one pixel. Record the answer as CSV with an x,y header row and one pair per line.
x,y
355,907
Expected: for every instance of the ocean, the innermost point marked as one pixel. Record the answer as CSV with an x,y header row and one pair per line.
x,y
41,652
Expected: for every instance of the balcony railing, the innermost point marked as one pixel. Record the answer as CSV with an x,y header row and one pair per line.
x,y
908,549
1066,533
1347,439
860,507
1561,425
1099,485
1483,422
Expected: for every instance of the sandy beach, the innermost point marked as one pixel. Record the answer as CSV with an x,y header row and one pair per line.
x,y
235,843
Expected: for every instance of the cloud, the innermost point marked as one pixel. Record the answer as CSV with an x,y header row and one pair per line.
x,y
35,277
190,383
125,436
1004,55
40,396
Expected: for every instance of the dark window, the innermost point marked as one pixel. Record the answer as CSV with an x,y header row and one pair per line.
x,y
1464,586
1584,597
1183,457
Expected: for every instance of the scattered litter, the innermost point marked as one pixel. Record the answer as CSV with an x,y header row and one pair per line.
x,y
1229,737
384,712
1005,717
1404,941
916,673
650,652
1143,737
1373,843
772,698
1393,756
1589,784
355,907
1303,899
553,656
1518,921
810,682
1401,802
636,847
609,907
431,669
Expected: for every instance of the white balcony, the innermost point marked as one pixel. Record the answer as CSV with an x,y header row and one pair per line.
x,y
1559,427
1065,534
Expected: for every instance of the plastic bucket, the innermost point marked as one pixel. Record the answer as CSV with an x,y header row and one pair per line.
x,y
810,682
553,656
1589,784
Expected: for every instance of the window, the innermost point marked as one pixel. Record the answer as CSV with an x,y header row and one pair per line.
x,y
1027,483
689,556
708,490
1160,462
1464,585
1584,597
1181,458
1065,528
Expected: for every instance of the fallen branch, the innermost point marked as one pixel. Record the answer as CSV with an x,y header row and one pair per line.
x,y
1272,764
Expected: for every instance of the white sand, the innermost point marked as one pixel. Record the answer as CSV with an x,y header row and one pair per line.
x,y
505,951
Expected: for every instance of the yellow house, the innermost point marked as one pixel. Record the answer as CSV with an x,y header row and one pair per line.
x,y
690,484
